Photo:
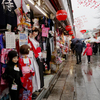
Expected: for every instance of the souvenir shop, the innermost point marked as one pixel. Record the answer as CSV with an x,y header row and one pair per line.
x,y
37,42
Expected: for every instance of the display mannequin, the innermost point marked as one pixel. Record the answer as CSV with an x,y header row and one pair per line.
x,y
27,71
13,74
37,53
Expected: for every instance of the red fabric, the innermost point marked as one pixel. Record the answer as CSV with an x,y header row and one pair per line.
x,y
88,50
27,78
36,51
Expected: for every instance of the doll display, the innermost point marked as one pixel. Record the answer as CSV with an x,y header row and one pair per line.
x,y
12,75
35,47
27,71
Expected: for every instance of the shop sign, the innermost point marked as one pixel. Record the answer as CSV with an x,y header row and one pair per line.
x,y
10,39
23,38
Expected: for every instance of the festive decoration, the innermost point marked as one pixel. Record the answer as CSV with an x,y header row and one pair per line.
x,y
89,3
73,37
70,32
61,15
82,31
68,28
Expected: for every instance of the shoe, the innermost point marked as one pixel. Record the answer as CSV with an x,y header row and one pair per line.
x,y
77,63
34,96
88,62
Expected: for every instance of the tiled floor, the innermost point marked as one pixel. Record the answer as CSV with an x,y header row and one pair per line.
x,y
78,82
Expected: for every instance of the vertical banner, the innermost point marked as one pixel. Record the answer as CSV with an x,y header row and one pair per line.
x,y
10,39
23,38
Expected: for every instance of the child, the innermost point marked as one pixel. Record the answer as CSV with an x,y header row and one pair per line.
x,y
13,75
88,52
27,71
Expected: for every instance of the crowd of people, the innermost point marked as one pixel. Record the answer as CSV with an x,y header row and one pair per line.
x,y
78,47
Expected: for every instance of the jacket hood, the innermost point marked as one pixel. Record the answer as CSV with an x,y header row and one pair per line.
x,y
88,45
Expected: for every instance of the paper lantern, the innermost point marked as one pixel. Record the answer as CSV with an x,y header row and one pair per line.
x,y
70,32
61,15
73,37
83,31
68,28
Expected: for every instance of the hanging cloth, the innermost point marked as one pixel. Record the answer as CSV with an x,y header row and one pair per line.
x,y
36,51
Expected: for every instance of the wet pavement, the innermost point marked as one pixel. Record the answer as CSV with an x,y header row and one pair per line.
x,y
78,82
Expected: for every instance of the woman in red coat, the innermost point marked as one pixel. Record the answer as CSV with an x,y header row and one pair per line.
x,y
27,71
88,52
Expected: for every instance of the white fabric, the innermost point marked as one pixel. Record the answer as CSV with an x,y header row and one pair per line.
x,y
36,77
36,44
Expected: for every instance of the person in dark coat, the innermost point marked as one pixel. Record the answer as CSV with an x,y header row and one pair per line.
x,y
95,48
12,75
78,49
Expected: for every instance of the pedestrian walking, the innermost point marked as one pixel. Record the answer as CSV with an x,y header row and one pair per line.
x,y
78,49
88,52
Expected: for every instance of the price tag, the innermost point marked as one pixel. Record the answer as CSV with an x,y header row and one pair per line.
x,y
26,60
14,87
16,68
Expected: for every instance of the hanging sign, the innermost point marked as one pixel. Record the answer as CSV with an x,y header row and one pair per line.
x,y
23,38
10,39
45,32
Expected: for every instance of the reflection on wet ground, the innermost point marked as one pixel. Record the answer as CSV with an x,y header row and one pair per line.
x,y
78,82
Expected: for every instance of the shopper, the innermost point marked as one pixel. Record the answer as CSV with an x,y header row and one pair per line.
x,y
27,71
78,48
95,48
13,75
88,52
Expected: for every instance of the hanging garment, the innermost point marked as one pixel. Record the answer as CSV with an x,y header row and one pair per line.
x,y
1,42
9,6
48,54
1,47
37,50
36,77
2,15
27,79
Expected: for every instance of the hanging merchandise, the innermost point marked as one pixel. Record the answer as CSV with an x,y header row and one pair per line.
x,y
68,28
9,6
45,31
10,39
61,15
23,38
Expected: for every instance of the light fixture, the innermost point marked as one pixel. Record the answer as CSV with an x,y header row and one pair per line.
x,y
38,8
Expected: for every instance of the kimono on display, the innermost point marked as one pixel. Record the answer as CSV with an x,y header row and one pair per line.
x,y
33,55
37,53
25,66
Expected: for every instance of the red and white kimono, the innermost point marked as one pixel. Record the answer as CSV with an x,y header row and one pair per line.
x,y
27,72
36,77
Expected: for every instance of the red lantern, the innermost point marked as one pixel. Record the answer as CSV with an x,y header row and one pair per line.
x,y
73,37
70,32
82,31
68,28
61,15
